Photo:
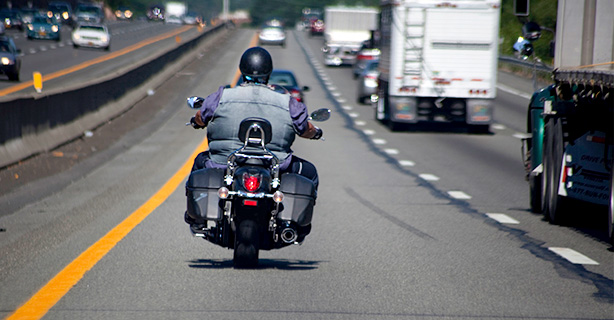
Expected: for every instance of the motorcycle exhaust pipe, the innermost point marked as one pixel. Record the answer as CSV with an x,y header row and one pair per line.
x,y
289,235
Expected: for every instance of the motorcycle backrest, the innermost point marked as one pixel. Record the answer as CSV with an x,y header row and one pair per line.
x,y
254,130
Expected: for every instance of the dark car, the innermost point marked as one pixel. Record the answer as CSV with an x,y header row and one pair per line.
x,y
10,62
367,81
43,27
12,19
287,80
62,11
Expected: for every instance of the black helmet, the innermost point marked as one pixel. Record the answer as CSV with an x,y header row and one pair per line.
x,y
256,65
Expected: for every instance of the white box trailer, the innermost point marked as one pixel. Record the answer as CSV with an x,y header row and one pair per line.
x,y
438,61
345,29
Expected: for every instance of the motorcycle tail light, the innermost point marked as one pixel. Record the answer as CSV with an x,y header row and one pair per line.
x,y
251,203
223,192
278,196
251,183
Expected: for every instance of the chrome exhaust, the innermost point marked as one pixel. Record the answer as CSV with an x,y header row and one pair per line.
x,y
289,235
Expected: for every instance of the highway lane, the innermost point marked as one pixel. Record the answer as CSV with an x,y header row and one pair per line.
x,y
49,57
388,241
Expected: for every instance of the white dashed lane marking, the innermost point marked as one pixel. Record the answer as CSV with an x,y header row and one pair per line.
x,y
379,141
502,218
573,256
459,195
429,177
407,163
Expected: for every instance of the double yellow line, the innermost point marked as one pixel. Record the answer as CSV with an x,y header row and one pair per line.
x,y
92,62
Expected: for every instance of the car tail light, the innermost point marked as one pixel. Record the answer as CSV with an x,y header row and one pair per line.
x,y
296,95
251,183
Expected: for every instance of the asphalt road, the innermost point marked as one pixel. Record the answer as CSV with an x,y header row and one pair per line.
x,y
52,58
421,224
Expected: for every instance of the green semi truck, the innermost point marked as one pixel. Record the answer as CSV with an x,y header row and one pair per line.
x,y
569,153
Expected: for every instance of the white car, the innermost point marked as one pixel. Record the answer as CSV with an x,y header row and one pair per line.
x,y
272,35
92,36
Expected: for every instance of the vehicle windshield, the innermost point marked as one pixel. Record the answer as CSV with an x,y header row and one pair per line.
x,y
42,19
92,28
5,46
283,79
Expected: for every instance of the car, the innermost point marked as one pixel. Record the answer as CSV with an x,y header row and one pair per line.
x,y
365,55
272,35
28,14
43,27
12,19
123,13
316,27
62,11
367,81
89,13
287,80
10,62
155,13
91,35
192,18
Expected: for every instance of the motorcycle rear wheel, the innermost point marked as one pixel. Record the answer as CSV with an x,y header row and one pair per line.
x,y
247,245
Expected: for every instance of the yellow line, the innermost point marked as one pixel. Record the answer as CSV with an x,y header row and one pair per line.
x,y
56,288
92,62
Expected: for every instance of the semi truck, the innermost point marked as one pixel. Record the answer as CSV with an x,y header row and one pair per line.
x,y
438,62
568,152
345,30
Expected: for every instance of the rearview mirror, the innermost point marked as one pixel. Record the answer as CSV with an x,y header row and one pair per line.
x,y
320,115
195,102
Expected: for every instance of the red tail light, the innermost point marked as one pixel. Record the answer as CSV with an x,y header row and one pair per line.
x,y
296,95
251,183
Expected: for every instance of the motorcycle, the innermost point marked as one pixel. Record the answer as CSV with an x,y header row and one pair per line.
x,y
249,206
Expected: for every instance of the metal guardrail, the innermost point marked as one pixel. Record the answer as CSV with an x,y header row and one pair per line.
x,y
528,64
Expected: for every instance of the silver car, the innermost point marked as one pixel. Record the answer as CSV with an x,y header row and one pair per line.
x,y
367,81
272,35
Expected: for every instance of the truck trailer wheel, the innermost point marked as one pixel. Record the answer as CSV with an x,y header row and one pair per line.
x,y
556,213
611,208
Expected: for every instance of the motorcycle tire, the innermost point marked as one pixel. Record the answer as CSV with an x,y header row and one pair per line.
x,y
247,245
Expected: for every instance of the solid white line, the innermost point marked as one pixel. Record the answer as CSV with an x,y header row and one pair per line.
x,y
407,163
459,195
573,256
429,177
502,218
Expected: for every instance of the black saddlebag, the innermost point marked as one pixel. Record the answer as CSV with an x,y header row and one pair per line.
x,y
299,199
201,191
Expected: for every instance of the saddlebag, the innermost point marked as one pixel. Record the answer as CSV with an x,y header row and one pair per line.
x,y
201,192
299,199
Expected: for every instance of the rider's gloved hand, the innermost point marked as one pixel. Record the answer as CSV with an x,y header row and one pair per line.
x,y
195,125
318,134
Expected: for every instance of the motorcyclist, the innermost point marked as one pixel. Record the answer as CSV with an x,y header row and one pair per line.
x,y
222,111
